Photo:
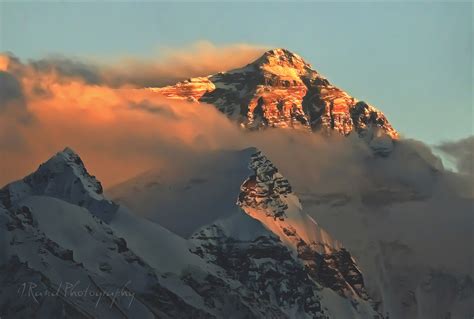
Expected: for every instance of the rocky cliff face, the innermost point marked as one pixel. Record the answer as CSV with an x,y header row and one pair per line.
x,y
290,262
280,89
267,270
267,196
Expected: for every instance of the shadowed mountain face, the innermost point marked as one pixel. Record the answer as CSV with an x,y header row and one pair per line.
x,y
281,90
263,259
398,217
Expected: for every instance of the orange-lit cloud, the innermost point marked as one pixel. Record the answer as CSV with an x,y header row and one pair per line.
x,y
167,67
118,129
115,135
121,131
201,58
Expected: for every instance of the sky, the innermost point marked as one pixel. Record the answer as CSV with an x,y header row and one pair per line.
x,y
411,60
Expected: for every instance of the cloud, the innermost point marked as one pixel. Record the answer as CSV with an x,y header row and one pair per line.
x,y
462,152
152,108
12,100
10,88
173,65
95,107
407,198
69,68
169,66
118,132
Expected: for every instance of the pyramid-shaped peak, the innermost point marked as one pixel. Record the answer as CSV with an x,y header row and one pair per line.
x,y
283,57
281,90
67,166
69,151
63,176
69,155
55,177
281,52
66,157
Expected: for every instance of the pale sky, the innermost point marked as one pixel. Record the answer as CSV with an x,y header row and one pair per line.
x,y
411,60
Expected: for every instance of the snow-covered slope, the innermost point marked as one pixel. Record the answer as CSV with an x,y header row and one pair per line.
x,y
252,254
267,196
266,255
64,257
280,89
190,194
60,261
407,233
405,220
415,252
66,253
273,217
249,248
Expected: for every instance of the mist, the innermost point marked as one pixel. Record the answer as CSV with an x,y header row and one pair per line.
x,y
121,131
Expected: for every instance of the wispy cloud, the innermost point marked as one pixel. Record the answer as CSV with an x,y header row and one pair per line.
x,y
462,152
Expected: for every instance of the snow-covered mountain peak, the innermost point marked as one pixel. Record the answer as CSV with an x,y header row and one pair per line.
x,y
267,196
284,58
281,90
63,176
68,161
51,224
68,153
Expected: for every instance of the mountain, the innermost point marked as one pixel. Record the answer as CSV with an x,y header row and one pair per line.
x,y
63,176
280,89
69,252
225,234
62,255
399,217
